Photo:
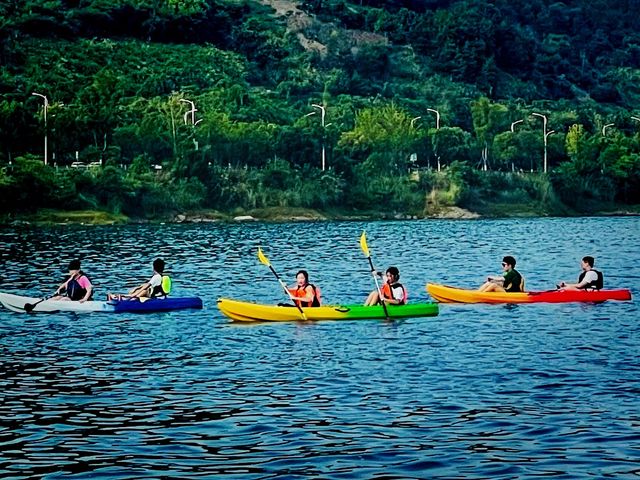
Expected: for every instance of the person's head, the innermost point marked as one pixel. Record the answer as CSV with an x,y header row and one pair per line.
x,y
508,262
158,266
74,266
302,278
393,274
588,261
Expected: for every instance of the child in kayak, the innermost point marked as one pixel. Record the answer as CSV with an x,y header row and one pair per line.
x,y
589,278
158,285
510,281
393,291
305,294
77,287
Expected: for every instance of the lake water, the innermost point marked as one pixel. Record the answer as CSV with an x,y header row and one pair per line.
x,y
481,391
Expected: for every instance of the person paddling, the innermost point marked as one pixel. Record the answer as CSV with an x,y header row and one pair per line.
x,y
77,287
393,292
589,278
510,281
159,285
305,294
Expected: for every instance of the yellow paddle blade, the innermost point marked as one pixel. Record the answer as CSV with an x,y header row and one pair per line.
x,y
363,244
264,260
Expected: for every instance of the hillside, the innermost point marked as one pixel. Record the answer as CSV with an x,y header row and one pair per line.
x,y
221,95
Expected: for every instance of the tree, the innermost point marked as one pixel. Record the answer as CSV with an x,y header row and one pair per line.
x,y
488,118
385,130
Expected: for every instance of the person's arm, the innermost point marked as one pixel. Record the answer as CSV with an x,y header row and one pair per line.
x,y
143,287
64,284
394,301
308,295
88,295
86,284
589,277
507,279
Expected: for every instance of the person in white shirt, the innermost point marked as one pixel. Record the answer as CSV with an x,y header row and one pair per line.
x,y
151,288
589,278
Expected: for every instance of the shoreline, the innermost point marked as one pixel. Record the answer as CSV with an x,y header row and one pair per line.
x,y
272,214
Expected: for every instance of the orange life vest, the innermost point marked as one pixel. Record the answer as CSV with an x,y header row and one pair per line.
x,y
387,293
302,292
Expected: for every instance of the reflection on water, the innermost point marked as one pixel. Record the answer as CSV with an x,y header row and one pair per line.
x,y
484,391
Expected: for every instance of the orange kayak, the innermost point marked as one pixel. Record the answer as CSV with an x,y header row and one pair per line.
x,y
447,294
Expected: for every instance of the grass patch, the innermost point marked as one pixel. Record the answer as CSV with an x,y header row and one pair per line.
x,y
533,209
86,217
286,213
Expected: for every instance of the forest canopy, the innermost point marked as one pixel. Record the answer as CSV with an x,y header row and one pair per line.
x,y
228,104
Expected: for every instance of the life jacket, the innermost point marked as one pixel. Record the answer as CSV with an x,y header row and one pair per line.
x,y
301,292
517,283
386,290
597,284
75,291
163,289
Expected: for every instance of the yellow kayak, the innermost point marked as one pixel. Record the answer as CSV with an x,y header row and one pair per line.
x,y
256,312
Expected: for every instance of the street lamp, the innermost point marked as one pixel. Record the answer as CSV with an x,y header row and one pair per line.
x,y
513,124
192,112
193,117
604,128
46,105
413,120
545,134
437,117
322,114
636,119
437,128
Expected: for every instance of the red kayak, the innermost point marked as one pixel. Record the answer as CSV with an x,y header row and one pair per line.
x,y
443,293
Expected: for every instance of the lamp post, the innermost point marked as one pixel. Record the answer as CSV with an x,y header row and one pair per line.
x,y
437,128
413,120
192,112
545,134
437,117
46,106
322,114
636,119
604,128
513,124
193,117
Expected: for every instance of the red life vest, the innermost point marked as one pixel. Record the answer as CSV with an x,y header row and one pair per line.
x,y
387,293
302,292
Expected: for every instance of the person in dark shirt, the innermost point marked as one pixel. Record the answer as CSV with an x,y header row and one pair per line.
x,y
510,281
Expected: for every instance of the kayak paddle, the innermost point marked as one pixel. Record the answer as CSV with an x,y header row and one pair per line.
x,y
28,307
265,261
365,250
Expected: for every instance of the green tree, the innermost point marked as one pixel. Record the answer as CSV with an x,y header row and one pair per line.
x,y
488,118
385,130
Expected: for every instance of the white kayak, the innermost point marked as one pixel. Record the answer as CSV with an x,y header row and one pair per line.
x,y
17,303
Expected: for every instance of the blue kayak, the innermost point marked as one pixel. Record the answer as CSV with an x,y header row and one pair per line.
x,y
156,304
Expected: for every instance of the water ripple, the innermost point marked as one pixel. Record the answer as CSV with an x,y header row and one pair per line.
x,y
483,391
